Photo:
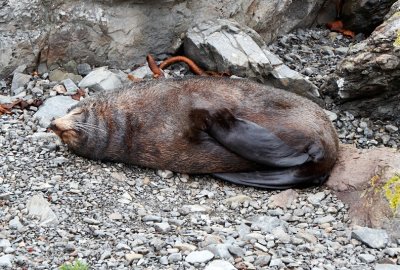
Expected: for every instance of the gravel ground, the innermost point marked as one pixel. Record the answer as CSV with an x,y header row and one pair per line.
x,y
57,207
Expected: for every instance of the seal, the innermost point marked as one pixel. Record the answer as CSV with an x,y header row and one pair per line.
x,y
238,130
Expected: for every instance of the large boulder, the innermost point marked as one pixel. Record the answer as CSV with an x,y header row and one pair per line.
x,y
365,15
368,181
368,79
228,47
120,33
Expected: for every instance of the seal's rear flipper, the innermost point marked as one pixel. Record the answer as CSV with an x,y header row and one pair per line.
x,y
277,179
249,140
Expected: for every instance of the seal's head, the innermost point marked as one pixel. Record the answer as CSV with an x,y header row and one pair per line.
x,y
69,127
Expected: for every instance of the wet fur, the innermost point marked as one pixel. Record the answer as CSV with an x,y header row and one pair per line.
x,y
164,124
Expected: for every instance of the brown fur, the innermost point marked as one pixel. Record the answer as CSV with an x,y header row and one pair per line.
x,y
151,124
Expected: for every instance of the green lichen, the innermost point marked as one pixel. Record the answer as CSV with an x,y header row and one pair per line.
x,y
392,192
397,41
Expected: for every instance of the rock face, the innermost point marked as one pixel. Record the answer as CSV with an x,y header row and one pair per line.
x,y
227,47
365,15
368,181
120,33
371,72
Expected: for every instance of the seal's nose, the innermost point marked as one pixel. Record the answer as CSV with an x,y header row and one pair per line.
x,y
53,126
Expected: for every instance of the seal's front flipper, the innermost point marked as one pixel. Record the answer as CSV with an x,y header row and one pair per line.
x,y
249,140
275,179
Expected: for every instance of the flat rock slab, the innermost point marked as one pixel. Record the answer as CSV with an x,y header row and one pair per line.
x,y
374,238
39,207
367,180
52,108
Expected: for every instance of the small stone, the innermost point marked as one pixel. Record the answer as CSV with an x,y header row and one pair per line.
x,y
130,257
83,69
152,218
175,257
69,248
199,256
165,174
40,207
316,198
185,247
331,115
325,219
374,238
5,261
219,265
60,89
15,224
18,82
162,227
4,243
187,209
391,128
283,199
105,255
164,260
91,221
367,258
115,216
387,267
70,86
262,260
37,91
276,263
237,199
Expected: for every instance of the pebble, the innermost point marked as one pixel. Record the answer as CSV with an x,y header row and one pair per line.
x,y
367,258
199,257
374,238
5,261
130,257
162,227
219,265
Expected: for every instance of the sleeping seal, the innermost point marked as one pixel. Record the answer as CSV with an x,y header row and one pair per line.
x,y
241,131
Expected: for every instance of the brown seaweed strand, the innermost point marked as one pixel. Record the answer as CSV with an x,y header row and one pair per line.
x,y
192,65
153,67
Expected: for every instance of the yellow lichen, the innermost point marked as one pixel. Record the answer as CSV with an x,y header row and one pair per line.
x,y
392,192
397,41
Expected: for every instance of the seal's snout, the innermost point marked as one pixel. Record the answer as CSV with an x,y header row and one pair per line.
x,y
53,126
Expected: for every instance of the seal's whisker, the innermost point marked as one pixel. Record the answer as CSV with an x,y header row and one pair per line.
x,y
89,127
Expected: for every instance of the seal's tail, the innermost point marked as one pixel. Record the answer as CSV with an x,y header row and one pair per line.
x,y
274,179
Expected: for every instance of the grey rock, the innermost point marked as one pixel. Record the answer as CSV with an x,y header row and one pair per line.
x,y
316,198
325,219
175,257
70,86
391,128
262,260
151,218
83,69
166,174
39,207
18,82
4,243
91,221
367,79
219,265
37,91
386,267
374,238
101,79
370,14
225,46
6,261
276,263
120,34
367,258
199,257
267,223
220,251
54,107
61,75
142,72
332,116
15,224
162,227
164,260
